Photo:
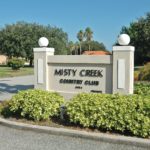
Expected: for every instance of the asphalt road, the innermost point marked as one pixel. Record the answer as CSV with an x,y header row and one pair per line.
x,y
14,139
10,86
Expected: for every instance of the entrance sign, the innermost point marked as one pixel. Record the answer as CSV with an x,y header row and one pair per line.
x,y
73,74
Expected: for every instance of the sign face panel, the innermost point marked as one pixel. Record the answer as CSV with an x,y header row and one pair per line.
x,y
76,78
121,73
40,71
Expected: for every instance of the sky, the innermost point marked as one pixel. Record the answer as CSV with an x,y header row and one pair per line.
x,y
104,17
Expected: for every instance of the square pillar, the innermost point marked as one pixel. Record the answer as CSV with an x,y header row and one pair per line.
x,y
123,69
41,67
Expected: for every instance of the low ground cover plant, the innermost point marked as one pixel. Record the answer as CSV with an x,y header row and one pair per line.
x,y
142,88
117,113
34,104
111,112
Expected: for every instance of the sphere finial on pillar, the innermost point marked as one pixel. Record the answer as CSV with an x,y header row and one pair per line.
x,y
43,42
123,39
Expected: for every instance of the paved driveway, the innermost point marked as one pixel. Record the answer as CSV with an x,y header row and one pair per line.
x,y
10,86
13,139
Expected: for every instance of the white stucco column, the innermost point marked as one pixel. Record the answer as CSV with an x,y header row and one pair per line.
x,y
41,65
123,67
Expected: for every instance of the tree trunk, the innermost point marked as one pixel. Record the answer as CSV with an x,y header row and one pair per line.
x,y
80,49
89,47
31,62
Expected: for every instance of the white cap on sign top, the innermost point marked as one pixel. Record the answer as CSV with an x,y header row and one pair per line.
x,y
43,42
123,39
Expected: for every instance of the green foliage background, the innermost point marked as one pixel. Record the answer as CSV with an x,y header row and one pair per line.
x,y
18,40
139,32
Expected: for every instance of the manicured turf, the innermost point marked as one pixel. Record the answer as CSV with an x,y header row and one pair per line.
x,y
8,72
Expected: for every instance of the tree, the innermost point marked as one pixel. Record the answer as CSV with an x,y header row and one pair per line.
x,y
80,36
18,40
88,35
139,32
94,46
71,47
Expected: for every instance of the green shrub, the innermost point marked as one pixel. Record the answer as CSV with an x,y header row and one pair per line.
x,y
1,108
111,112
36,104
136,75
4,109
3,104
142,88
15,63
144,74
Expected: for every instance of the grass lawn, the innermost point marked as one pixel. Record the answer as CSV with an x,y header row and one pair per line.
x,y
8,72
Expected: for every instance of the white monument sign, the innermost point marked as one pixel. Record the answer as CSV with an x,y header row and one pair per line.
x,y
72,74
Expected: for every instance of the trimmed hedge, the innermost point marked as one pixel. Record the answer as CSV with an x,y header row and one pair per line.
x,y
122,113
111,112
36,104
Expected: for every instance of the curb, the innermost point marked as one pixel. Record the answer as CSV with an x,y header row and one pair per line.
x,y
104,137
